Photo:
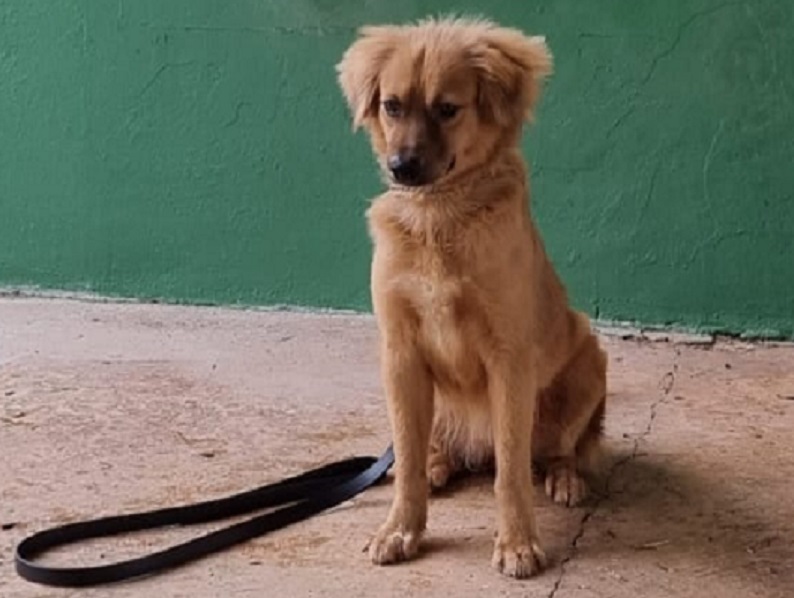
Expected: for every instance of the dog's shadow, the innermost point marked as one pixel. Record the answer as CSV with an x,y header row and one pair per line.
x,y
717,523
657,513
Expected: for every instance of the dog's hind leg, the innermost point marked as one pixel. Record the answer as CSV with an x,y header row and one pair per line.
x,y
569,424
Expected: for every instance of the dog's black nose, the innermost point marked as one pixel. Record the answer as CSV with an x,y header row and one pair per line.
x,y
406,168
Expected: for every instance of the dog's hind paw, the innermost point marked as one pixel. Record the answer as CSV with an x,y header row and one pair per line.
x,y
564,484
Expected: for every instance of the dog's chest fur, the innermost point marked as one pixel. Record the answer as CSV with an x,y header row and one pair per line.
x,y
448,326
427,271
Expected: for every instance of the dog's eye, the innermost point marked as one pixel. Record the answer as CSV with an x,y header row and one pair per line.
x,y
447,111
392,107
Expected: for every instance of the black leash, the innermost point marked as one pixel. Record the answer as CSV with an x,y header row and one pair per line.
x,y
309,493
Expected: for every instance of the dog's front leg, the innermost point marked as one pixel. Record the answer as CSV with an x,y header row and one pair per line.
x,y
409,392
512,389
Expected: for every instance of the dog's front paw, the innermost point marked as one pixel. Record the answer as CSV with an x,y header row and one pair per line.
x,y
519,560
564,485
393,544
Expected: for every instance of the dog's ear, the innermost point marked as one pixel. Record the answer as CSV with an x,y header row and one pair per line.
x,y
511,67
359,70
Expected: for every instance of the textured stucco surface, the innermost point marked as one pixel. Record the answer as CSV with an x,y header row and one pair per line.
x,y
113,408
199,151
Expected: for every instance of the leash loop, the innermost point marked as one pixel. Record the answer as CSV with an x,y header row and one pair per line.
x,y
298,497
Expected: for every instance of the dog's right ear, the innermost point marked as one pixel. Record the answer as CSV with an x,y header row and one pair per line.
x,y
359,71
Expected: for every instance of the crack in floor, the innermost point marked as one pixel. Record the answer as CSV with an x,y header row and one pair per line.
x,y
666,384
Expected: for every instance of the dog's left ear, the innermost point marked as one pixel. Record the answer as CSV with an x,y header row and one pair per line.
x,y
511,68
359,71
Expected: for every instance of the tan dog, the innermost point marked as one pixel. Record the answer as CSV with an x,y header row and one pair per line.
x,y
482,357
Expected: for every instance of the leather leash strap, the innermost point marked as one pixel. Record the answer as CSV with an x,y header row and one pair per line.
x,y
305,495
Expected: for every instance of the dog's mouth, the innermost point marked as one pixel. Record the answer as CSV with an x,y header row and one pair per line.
x,y
451,166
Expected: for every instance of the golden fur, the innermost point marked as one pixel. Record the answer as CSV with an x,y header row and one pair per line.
x,y
482,357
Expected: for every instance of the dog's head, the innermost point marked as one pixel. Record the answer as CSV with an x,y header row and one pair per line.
x,y
438,97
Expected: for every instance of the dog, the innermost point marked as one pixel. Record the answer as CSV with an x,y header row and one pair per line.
x,y
483,361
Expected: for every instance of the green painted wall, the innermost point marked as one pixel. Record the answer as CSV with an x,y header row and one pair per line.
x,y
199,151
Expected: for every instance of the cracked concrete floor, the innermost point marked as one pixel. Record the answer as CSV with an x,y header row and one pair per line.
x,y
114,407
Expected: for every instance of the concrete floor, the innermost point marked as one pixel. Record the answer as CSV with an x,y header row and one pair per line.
x,y
106,408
